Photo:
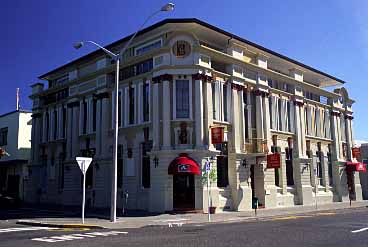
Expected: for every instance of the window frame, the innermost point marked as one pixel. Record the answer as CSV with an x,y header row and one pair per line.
x,y
190,95
147,44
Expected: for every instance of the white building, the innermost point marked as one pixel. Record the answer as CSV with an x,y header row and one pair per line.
x,y
15,141
183,81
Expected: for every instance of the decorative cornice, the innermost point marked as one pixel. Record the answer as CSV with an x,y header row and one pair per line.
x,y
161,78
298,103
203,77
261,93
104,95
335,113
237,87
73,104
349,117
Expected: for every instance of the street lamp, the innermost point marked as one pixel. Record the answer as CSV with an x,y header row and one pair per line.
x,y
115,57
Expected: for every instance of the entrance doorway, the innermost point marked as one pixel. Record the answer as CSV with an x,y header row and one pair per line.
x,y
13,185
183,191
350,181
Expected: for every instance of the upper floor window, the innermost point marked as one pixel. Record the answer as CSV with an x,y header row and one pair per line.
x,y
131,106
4,136
146,105
220,98
280,114
182,98
148,47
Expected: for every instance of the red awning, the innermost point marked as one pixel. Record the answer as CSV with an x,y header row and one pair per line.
x,y
360,167
184,165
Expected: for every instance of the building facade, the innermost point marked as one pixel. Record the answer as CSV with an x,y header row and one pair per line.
x,y
191,92
15,146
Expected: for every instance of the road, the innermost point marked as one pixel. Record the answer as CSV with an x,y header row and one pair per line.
x,y
334,228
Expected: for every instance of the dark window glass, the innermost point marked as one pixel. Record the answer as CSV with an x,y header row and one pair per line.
x,y
94,106
47,126
55,124
89,177
145,102
146,172
64,122
224,102
4,136
222,171
119,109
131,105
120,167
182,99
84,117
289,166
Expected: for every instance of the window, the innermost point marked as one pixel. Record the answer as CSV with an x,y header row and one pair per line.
x,y
222,166
182,99
146,172
289,164
245,112
55,124
320,164
85,108
120,167
146,99
4,136
119,109
47,126
220,98
274,149
131,92
64,123
148,47
94,117
329,159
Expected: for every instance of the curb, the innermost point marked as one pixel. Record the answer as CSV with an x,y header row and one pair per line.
x,y
55,225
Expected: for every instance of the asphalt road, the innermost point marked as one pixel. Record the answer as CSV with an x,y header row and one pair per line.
x,y
333,228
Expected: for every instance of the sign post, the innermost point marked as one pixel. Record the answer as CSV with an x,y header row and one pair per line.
x,y
208,169
83,163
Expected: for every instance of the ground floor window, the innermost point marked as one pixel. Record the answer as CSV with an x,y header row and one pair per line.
x,y
146,165
222,171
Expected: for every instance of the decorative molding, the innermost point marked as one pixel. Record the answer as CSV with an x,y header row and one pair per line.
x,y
203,77
102,96
299,103
161,78
237,87
349,117
261,93
335,113
73,104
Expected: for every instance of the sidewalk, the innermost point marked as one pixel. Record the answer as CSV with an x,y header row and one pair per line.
x,y
98,221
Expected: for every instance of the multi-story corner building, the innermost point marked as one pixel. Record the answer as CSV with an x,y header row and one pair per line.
x,y
191,92
15,146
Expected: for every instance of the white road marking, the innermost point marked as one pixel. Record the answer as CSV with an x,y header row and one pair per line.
x,y
171,220
360,230
77,236
20,229
177,224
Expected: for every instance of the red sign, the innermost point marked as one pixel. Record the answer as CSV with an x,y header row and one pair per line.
x,y
274,160
360,167
356,153
217,135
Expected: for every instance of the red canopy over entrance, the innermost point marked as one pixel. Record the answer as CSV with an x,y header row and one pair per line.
x,y
184,165
360,167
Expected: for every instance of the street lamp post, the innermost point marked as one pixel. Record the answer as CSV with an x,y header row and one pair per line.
x,y
115,57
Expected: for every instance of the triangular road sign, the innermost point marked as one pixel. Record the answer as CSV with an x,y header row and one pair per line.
x,y
83,163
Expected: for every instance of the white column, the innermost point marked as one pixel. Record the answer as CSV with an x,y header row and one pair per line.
x,y
81,118
209,114
259,120
51,124
266,120
90,115
60,122
298,148
166,128
199,114
302,128
156,117
335,136
235,117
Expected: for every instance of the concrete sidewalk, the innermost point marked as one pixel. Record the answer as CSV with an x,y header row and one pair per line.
x,y
99,221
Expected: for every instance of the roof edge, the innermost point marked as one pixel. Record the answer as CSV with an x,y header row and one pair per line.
x,y
205,24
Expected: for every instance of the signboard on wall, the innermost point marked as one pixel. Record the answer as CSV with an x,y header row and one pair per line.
x,y
217,135
274,160
181,48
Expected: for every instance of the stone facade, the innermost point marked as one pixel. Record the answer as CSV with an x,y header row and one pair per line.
x,y
180,80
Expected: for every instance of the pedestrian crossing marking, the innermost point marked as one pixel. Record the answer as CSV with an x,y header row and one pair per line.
x,y
20,229
77,236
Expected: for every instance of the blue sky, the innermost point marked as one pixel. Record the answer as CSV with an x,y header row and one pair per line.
x,y
330,35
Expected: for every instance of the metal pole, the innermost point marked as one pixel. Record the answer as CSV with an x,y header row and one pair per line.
x,y
84,193
208,194
115,151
